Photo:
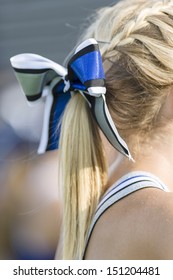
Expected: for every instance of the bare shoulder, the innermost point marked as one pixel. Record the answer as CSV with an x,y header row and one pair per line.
x,y
162,229
139,226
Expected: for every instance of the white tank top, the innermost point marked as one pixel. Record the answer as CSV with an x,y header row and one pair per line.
x,y
126,185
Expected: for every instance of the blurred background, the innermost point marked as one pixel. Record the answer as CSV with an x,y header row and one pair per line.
x,y
29,200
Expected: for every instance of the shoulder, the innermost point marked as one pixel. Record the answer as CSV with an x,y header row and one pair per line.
x,y
162,226
157,224
139,226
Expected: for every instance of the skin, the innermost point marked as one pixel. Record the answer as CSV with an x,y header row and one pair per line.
x,y
140,226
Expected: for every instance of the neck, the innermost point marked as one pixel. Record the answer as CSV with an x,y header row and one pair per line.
x,y
156,158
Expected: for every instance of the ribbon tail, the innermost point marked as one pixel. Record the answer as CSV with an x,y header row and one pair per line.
x,y
55,104
46,119
105,122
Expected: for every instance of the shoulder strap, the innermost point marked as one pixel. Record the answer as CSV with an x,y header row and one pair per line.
x,y
123,187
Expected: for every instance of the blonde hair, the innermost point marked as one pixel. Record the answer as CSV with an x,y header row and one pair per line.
x,y
83,170
137,50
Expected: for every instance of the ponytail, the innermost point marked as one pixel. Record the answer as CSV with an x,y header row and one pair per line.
x,y
83,174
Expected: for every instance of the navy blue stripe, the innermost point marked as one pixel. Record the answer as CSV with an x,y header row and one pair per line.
x,y
95,83
33,97
131,178
143,179
108,122
31,71
88,49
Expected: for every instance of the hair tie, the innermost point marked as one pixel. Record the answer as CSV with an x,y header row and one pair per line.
x,y
43,78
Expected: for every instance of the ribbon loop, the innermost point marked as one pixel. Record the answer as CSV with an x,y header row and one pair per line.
x,y
86,66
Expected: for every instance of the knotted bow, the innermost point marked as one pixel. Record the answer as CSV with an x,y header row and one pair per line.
x,y
41,77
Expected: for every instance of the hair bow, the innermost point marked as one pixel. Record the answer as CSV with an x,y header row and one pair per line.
x,y
43,78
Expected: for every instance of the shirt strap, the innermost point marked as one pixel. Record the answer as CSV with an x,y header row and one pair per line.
x,y
122,188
